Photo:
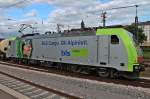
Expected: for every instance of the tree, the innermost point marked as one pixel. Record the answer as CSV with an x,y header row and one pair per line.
x,y
140,35
82,25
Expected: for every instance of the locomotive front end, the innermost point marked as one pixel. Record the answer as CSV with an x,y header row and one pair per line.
x,y
139,67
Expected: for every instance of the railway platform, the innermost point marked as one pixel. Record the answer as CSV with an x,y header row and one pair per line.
x,y
4,95
84,88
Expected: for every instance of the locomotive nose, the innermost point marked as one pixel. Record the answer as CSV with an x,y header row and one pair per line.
x,y
140,57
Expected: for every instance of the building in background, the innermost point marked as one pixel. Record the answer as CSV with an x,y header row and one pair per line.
x,y
146,28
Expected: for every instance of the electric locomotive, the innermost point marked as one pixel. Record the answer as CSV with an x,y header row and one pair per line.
x,y
109,52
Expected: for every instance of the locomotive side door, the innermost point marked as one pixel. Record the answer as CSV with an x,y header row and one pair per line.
x,y
118,53
103,50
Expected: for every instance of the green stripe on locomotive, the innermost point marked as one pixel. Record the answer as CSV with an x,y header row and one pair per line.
x,y
79,52
19,44
128,42
12,38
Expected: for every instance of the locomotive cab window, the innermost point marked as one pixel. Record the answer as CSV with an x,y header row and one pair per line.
x,y
114,39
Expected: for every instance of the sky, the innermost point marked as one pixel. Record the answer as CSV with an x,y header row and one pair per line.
x,y
44,15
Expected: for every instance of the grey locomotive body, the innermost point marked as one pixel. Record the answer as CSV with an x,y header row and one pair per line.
x,y
106,54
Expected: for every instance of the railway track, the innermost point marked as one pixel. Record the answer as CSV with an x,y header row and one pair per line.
x,y
144,83
27,89
30,89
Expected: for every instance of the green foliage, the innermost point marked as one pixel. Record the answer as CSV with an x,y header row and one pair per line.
x,y
141,35
146,54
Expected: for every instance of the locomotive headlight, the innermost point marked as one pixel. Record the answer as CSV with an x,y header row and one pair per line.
x,y
136,67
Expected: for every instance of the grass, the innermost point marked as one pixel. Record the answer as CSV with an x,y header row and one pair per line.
x,y
146,54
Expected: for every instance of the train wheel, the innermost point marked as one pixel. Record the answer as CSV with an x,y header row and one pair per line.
x,y
74,68
114,74
105,73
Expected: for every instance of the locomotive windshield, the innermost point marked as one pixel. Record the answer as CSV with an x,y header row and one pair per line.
x,y
139,50
132,36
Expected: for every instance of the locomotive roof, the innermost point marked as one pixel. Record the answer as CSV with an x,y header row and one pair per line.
x,y
79,32
26,35
71,33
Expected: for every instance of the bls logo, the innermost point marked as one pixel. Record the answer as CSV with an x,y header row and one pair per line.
x,y
65,53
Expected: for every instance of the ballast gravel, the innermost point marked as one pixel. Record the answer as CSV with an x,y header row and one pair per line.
x,y
87,89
